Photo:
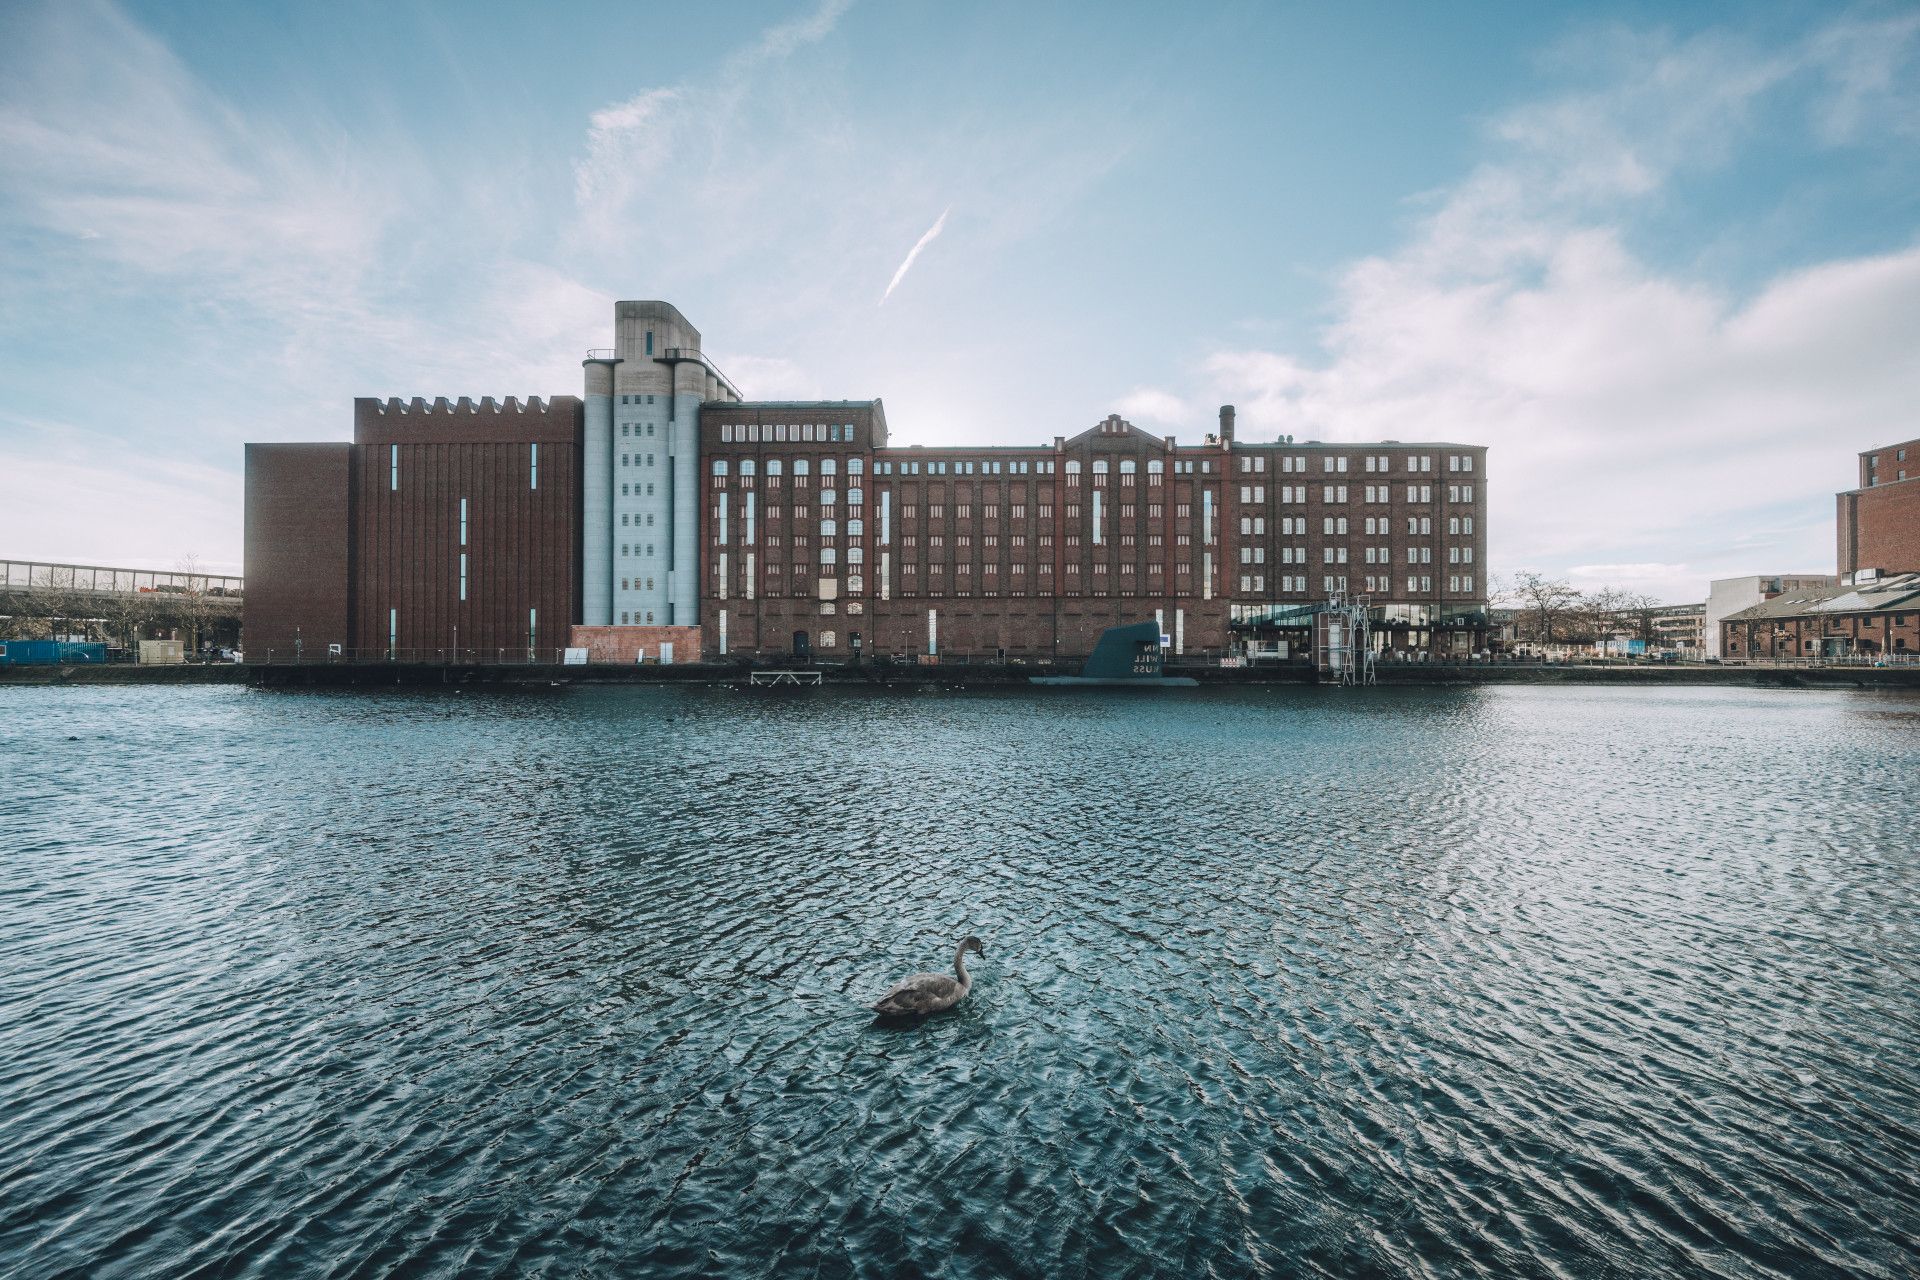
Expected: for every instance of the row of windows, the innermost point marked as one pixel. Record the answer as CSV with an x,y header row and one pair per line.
x,y
638,399
1372,555
786,432
393,472
801,466
991,467
1336,464
1250,584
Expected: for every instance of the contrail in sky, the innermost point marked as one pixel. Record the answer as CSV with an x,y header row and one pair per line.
x,y
914,252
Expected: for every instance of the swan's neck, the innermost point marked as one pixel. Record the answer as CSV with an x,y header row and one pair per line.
x,y
960,966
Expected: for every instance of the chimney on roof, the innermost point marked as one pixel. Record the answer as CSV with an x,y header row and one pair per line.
x,y
1226,424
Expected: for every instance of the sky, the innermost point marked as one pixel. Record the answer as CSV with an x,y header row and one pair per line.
x,y
1664,261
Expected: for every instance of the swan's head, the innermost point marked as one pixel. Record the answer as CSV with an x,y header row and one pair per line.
x,y
973,944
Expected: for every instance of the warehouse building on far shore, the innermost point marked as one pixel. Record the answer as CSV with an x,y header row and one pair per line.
x,y
662,511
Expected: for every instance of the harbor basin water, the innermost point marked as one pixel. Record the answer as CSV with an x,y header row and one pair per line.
x,y
1504,981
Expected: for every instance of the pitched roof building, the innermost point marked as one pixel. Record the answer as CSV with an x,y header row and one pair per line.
x,y
1876,619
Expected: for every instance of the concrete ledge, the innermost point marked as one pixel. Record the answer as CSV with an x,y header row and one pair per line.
x,y
126,673
952,676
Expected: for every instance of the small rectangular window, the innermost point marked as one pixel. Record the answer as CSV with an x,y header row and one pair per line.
x,y
463,528
533,466
393,468
463,575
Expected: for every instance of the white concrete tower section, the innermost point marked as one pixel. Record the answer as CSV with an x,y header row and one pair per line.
x,y
647,514
596,489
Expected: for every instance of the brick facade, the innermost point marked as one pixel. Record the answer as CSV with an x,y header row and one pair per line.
x,y
445,530
1878,524
629,645
297,548
814,528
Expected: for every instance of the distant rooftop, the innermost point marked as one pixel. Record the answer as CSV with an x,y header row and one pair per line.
x,y
1895,592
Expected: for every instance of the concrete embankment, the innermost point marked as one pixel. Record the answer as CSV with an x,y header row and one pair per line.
x,y
127,673
952,676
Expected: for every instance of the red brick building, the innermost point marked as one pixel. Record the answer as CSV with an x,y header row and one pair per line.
x,y
1878,524
816,530
442,528
1878,618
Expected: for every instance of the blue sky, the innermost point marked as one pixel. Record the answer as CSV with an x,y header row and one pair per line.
x,y
1663,260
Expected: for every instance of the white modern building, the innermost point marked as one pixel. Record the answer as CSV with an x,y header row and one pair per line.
x,y
640,514
1728,596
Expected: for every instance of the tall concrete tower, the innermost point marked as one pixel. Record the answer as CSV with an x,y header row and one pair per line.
x,y
640,513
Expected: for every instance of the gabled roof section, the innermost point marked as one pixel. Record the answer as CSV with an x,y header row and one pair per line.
x,y
1114,427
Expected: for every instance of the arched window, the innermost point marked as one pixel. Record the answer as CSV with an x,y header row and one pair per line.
x,y
828,555
719,466
1127,466
773,466
856,528
1073,466
856,466
855,497
1099,466
828,466
800,466
746,466
856,555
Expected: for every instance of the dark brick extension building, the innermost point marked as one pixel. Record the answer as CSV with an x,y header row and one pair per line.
x,y
441,526
1878,524
664,509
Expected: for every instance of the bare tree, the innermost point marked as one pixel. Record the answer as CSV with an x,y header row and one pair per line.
x,y
1545,608
55,597
1597,618
192,603
1638,610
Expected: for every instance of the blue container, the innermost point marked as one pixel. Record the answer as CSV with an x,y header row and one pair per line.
x,y
48,653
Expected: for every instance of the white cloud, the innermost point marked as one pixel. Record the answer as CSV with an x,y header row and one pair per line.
x,y
1152,405
770,378
626,144
932,234
1644,427
139,512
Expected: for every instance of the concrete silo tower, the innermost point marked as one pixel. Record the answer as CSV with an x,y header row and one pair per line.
x,y
640,513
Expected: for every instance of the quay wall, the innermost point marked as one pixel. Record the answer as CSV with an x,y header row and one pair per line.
x,y
423,674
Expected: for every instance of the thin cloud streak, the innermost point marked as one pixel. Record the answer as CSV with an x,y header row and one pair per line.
x,y
933,233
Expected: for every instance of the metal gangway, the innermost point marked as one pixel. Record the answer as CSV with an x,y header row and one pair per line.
x,y
1343,640
774,679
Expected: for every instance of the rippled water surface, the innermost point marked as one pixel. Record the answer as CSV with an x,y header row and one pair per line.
x,y
1503,982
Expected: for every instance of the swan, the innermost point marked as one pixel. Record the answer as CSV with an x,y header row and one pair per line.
x,y
925,993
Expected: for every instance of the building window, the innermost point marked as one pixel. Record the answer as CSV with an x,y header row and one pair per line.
x,y
533,466
463,575
393,468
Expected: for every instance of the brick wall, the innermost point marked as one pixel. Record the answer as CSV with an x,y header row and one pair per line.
x,y
625,645
1879,528
298,550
